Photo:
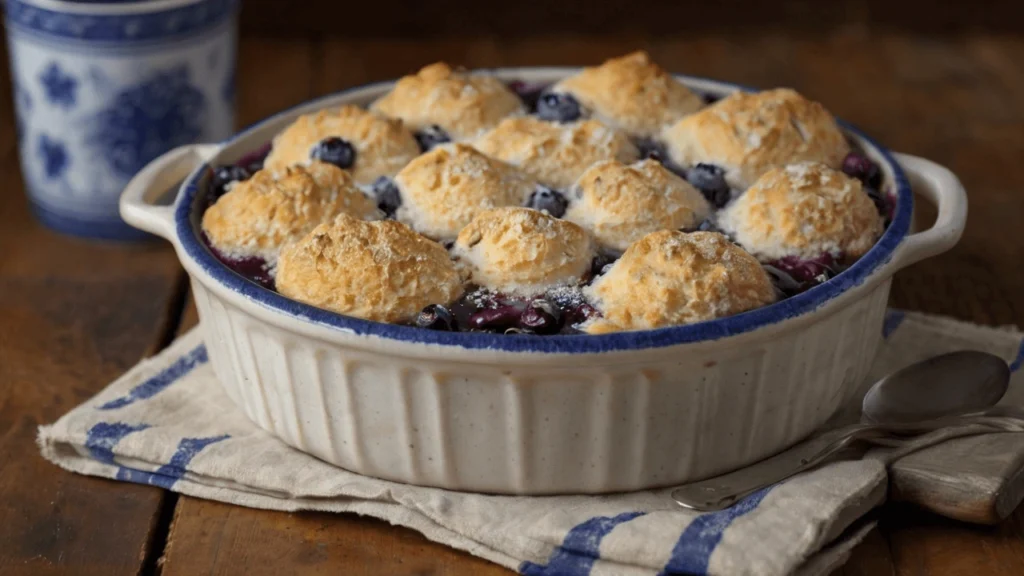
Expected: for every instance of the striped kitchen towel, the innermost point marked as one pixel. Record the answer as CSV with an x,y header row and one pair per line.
x,y
168,423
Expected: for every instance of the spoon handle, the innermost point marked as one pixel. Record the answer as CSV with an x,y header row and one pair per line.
x,y
723,491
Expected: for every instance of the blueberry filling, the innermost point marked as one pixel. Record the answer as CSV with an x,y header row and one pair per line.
x,y
335,151
224,176
710,180
528,93
650,149
710,98
805,273
431,136
558,107
496,319
864,169
437,317
599,265
547,200
250,267
385,191
541,317
785,285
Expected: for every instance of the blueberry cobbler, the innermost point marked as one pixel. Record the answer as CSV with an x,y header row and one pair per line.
x,y
616,199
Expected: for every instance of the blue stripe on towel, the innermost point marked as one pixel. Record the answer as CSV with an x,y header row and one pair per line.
x,y
101,438
893,319
166,475
580,548
162,379
692,553
1015,365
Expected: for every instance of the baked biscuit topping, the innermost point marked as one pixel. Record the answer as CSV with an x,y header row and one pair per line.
x,y
460,103
631,93
382,146
259,216
622,203
613,200
379,271
444,189
669,278
555,154
523,251
804,211
748,134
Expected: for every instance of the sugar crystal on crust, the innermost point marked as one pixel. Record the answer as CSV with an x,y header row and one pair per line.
x,y
621,203
463,104
804,210
260,215
748,134
670,278
379,270
632,93
523,251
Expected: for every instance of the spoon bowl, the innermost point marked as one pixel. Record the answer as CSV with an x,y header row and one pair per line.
x,y
946,385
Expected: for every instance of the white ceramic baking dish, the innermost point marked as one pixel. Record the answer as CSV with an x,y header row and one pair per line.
x,y
538,414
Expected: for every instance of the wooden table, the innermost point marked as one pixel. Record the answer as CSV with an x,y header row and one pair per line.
x,y
75,314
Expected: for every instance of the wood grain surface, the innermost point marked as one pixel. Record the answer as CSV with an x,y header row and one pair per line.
x,y
74,314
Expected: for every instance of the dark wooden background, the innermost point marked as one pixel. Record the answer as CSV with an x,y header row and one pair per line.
x,y
941,80
531,18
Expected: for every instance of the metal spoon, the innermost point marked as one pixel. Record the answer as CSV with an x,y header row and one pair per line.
x,y
943,397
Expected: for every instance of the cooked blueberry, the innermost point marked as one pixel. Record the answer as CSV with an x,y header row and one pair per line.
x,y
335,151
807,271
251,267
708,226
558,107
386,193
547,200
651,149
223,176
528,93
496,319
437,317
599,265
710,180
541,317
864,169
431,136
711,98
785,283
580,313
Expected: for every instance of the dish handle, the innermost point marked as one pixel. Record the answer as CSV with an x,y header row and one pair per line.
x,y
942,188
157,178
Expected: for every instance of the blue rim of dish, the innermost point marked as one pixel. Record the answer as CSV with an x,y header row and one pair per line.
x,y
803,303
166,24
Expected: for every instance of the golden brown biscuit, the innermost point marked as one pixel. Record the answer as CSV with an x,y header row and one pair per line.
x,y
379,271
621,203
631,93
444,189
748,134
259,216
383,146
803,210
462,104
669,278
522,251
555,154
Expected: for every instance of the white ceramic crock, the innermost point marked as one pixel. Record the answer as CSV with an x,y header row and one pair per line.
x,y
530,414
103,88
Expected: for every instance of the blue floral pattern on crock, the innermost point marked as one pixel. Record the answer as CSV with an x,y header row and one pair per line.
x,y
54,155
146,120
60,88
